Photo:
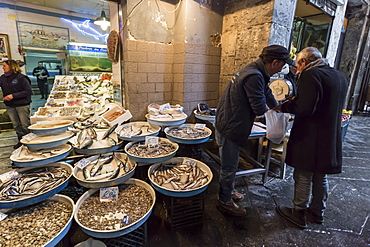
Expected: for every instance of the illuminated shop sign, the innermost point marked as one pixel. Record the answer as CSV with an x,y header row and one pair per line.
x,y
86,48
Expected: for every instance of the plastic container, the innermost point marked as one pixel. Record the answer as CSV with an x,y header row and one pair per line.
x,y
154,159
78,174
122,231
65,151
39,197
179,193
187,140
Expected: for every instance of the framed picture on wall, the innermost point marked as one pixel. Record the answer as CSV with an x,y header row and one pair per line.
x,y
4,46
44,36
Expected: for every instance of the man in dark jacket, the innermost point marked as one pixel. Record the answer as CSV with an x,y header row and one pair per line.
x,y
315,143
42,74
244,98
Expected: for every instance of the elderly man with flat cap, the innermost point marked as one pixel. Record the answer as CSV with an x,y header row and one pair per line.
x,y
246,96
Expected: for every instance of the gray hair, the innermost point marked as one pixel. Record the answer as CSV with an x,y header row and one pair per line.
x,y
310,54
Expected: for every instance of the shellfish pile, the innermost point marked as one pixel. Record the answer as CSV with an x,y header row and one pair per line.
x,y
187,133
133,203
34,225
179,176
163,148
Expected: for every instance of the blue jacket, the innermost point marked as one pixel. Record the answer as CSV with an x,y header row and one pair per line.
x,y
244,98
18,85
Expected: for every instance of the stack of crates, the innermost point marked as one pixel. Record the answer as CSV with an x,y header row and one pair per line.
x,y
184,211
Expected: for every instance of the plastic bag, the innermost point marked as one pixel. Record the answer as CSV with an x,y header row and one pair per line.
x,y
276,125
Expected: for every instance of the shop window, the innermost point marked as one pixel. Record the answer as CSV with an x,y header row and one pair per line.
x,y
311,27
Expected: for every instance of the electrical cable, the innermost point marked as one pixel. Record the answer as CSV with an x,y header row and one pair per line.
x,y
170,12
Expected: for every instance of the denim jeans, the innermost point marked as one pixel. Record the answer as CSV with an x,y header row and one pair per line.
x,y
307,184
20,117
229,155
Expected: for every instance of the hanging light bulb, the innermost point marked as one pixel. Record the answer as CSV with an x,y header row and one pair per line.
x,y
102,21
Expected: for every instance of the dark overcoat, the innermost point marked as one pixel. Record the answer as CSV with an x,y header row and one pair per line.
x,y
315,143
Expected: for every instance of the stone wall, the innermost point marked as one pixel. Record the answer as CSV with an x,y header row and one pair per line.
x,y
246,30
183,73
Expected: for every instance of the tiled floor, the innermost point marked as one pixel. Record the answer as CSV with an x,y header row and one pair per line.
x,y
346,223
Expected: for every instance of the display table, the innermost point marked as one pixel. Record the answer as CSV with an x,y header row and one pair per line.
x,y
258,132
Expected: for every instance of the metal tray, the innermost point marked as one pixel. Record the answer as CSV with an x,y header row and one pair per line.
x,y
115,233
151,160
43,131
49,141
179,193
39,162
43,196
187,140
143,135
167,122
77,173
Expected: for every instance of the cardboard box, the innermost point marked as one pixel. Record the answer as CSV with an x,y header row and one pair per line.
x,y
117,115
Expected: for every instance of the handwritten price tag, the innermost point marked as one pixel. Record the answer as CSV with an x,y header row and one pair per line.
x,y
108,194
82,163
8,175
3,216
165,107
189,162
162,117
42,122
126,220
151,141
126,134
199,126
29,137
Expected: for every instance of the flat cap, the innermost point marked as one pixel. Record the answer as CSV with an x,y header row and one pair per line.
x,y
277,52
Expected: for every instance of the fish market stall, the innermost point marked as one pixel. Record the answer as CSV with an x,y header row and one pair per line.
x,y
71,94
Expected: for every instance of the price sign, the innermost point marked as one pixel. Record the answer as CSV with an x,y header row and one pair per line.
x,y
162,117
42,122
151,141
8,175
82,163
126,220
3,216
165,107
108,194
199,126
126,134
189,162
29,137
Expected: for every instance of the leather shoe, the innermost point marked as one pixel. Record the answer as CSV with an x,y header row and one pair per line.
x,y
231,208
236,196
17,145
297,217
319,219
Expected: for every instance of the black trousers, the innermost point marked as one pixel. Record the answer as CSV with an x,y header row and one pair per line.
x,y
43,86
